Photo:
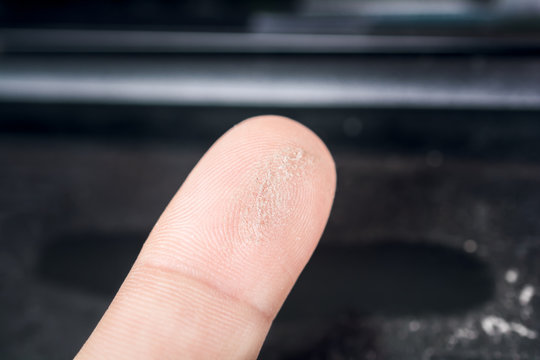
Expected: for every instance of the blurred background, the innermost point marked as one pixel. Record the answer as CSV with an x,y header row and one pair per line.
x,y
430,107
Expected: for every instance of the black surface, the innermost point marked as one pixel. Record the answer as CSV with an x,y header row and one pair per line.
x,y
391,280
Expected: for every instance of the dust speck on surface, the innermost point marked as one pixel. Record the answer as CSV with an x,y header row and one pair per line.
x,y
523,331
511,276
414,326
270,191
470,246
493,326
463,334
496,326
526,295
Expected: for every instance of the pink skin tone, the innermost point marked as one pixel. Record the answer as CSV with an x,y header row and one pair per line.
x,y
226,251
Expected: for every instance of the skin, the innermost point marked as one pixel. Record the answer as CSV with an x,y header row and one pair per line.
x,y
226,251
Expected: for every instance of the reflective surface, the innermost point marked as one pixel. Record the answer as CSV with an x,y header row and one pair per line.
x,y
430,247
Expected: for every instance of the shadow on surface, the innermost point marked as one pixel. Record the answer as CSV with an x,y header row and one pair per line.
x,y
92,262
391,278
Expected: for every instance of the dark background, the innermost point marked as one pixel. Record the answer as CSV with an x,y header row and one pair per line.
x,y
430,109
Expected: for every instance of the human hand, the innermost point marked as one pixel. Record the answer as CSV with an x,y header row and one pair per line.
x,y
226,251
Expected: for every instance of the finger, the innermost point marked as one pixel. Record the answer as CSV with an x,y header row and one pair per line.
x,y
225,253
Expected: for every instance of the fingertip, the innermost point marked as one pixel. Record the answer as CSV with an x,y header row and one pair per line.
x,y
288,128
228,248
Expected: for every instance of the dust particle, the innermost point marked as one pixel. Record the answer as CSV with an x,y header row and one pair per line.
x,y
526,295
511,276
496,326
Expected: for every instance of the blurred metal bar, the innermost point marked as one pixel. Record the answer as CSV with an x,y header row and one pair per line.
x,y
288,81
121,41
403,7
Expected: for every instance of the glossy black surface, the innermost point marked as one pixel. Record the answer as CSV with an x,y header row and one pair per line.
x,y
433,210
